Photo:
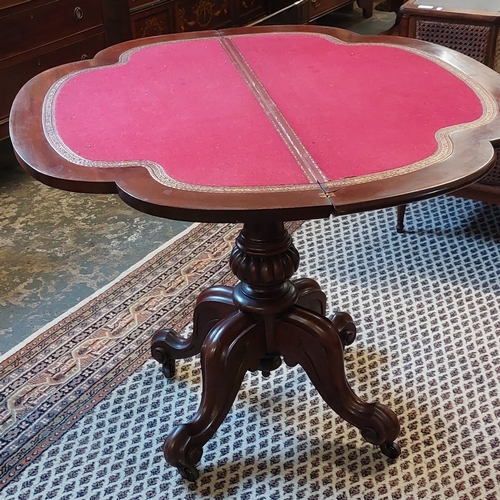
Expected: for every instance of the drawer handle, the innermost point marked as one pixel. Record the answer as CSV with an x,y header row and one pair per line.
x,y
84,56
316,3
78,13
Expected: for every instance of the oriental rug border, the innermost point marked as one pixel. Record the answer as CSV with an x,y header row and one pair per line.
x,y
61,373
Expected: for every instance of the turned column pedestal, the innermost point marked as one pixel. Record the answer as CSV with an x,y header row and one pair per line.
x,y
265,318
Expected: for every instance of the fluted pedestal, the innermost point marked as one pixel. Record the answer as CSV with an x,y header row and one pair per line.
x,y
264,319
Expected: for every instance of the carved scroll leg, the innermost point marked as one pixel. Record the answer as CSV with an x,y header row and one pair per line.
x,y
235,345
313,298
310,295
212,305
312,341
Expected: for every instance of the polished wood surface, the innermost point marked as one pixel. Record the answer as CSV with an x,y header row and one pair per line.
x,y
268,316
465,165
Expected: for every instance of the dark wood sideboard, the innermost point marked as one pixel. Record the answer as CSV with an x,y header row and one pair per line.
x,y
36,35
160,17
176,16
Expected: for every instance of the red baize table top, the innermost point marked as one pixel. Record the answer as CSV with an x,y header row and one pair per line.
x,y
285,111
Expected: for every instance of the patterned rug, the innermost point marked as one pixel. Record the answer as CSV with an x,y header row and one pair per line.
x,y
84,410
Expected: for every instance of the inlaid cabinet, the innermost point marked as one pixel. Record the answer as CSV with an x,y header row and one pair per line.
x,y
177,16
151,18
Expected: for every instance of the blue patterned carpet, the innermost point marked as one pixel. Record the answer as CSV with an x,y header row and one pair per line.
x,y
84,410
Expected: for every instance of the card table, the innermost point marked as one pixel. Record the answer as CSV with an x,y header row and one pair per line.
x,y
261,126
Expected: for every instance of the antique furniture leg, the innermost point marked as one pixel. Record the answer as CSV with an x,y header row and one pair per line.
x,y
232,348
212,305
250,327
367,7
400,227
313,342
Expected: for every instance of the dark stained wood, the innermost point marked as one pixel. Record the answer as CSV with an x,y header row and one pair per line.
x,y
367,7
250,327
137,188
153,17
267,316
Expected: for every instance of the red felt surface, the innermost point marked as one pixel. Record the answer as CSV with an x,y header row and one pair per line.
x,y
357,109
182,105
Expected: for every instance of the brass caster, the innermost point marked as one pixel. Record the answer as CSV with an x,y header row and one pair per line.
x,y
188,472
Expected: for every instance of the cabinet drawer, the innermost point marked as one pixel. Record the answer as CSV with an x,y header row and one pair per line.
x,y
46,23
194,15
320,7
147,4
12,78
152,21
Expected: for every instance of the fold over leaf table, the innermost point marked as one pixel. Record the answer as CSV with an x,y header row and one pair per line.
x,y
262,126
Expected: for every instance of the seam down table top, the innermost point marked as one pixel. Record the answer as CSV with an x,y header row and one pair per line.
x,y
290,122
262,126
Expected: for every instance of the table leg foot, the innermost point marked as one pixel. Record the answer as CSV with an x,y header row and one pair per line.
x,y
367,7
390,449
314,342
237,344
167,345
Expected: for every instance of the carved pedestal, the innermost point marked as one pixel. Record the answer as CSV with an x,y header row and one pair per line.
x,y
265,318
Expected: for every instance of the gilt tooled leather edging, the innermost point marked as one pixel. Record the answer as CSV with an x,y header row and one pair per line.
x,y
155,170
302,156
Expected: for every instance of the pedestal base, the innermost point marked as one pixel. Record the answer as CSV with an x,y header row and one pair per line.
x,y
253,326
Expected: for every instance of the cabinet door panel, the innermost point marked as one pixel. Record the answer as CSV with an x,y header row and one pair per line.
x,y
154,21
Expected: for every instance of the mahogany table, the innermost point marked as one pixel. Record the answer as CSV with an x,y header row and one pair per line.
x,y
262,126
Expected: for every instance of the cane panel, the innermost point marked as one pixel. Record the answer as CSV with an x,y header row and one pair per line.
x,y
471,40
